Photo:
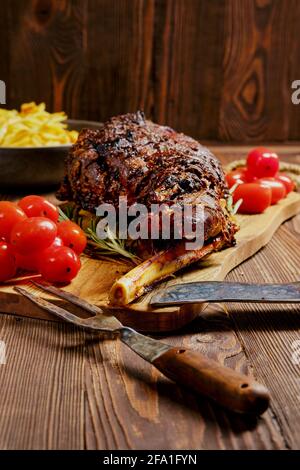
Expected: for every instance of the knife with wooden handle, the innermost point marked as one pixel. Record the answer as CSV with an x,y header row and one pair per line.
x,y
215,291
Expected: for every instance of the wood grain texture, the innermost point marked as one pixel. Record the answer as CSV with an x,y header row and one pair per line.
x,y
256,326
146,411
64,389
259,55
187,54
215,69
42,377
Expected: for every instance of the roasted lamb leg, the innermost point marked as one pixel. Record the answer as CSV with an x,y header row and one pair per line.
x,y
149,164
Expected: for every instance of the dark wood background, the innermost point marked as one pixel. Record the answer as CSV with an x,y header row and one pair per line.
x,y
215,69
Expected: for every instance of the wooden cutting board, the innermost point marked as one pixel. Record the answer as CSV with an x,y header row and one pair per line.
x,y
96,276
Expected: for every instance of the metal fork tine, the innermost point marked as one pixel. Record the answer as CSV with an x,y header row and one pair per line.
x,y
54,309
73,299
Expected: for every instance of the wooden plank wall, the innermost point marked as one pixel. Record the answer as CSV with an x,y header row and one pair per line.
x,y
215,69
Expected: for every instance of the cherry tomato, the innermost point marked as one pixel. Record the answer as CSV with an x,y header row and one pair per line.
x,y
241,175
26,262
277,188
263,163
32,262
38,206
60,264
8,265
57,242
33,234
236,176
10,214
72,236
249,176
287,181
254,156
268,165
256,198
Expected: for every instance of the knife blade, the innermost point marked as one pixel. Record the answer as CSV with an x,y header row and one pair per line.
x,y
217,291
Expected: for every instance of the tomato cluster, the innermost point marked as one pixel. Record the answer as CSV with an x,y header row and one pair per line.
x,y
260,183
32,239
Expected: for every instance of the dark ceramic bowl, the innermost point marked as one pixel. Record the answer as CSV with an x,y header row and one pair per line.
x,y
36,167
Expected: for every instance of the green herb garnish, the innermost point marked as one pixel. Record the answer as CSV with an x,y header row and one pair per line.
x,y
233,208
111,246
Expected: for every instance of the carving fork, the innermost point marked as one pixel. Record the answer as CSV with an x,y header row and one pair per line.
x,y
229,388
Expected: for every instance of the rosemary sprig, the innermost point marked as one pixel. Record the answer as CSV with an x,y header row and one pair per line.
x,y
63,215
111,246
233,208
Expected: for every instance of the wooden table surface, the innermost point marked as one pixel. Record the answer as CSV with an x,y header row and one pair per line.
x,y
61,390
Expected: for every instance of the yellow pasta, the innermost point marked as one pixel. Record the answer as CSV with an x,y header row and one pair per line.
x,y
33,126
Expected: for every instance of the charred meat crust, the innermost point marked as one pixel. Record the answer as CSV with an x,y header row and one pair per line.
x,y
148,163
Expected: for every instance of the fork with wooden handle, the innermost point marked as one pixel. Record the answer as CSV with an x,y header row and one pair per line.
x,y
227,387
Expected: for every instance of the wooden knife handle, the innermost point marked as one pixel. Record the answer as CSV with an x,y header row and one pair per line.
x,y
229,388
